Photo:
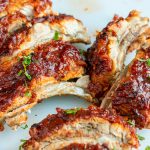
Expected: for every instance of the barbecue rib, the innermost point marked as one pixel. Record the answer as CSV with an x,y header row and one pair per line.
x,y
130,94
106,57
92,126
16,14
39,75
43,30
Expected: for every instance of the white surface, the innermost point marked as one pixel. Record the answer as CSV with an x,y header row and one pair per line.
x,y
95,14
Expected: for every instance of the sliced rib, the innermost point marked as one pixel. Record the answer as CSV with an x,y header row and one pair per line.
x,y
82,126
130,94
106,57
52,66
16,14
43,30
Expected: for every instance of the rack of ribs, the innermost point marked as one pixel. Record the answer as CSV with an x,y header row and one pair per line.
x,y
79,128
39,75
16,14
36,60
130,94
106,57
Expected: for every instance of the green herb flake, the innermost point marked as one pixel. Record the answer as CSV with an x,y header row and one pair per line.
x,y
141,138
27,60
24,127
56,36
145,60
130,122
22,143
72,111
28,94
20,72
27,75
148,62
147,148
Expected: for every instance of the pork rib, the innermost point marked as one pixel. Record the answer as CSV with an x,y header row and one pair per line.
x,y
106,57
42,31
92,126
130,94
50,67
16,14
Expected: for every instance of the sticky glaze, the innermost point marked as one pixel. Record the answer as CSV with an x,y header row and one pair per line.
x,y
132,97
100,65
53,123
55,59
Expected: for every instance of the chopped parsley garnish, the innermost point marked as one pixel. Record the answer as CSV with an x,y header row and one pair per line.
x,y
72,111
56,36
28,93
141,138
145,60
147,148
148,62
22,143
130,122
28,76
26,62
20,72
24,127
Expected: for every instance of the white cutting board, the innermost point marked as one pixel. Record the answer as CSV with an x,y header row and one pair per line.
x,y
95,14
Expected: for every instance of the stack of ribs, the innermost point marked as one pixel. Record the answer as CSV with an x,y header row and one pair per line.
x,y
37,58
38,61
121,91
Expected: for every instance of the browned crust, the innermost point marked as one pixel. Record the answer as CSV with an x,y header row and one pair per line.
x,y
100,65
53,123
131,98
58,60
14,16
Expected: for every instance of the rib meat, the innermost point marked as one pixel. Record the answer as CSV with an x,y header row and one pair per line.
x,y
15,14
51,66
106,57
130,95
92,126
42,31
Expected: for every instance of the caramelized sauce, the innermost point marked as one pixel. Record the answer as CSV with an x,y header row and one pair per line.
x,y
53,123
55,59
133,94
100,65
